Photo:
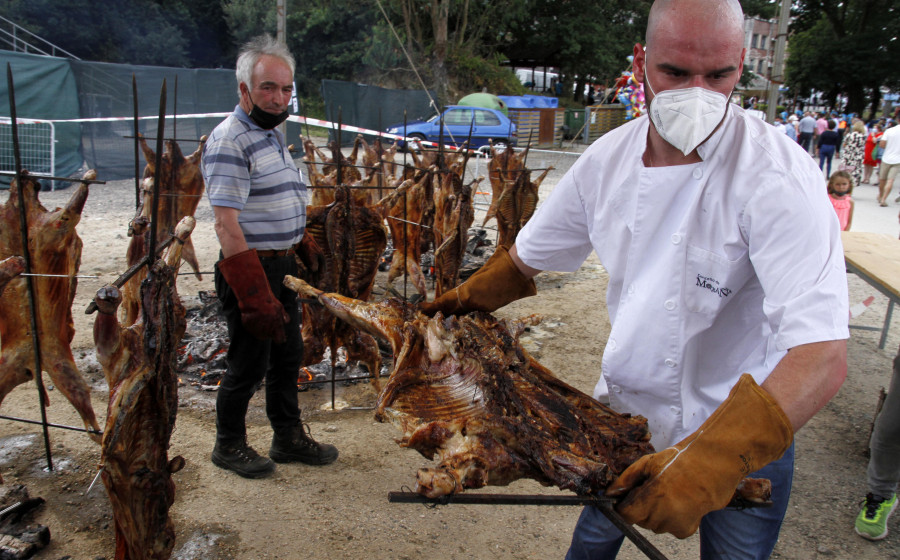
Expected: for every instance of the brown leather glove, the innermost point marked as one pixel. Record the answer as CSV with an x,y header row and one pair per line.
x,y
670,491
261,314
494,285
310,254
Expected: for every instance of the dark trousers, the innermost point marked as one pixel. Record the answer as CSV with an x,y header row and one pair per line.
x,y
826,152
250,360
805,140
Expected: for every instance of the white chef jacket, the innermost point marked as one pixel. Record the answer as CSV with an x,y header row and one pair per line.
x,y
715,268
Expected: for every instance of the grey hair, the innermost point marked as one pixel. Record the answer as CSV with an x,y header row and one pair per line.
x,y
253,50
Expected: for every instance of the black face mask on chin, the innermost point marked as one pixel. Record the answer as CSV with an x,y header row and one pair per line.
x,y
264,119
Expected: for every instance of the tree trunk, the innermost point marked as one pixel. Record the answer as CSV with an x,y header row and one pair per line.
x,y
440,16
461,32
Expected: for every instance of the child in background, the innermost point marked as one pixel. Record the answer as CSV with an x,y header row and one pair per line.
x,y
840,186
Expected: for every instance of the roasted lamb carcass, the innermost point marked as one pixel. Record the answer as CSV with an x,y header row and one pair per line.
x,y
462,388
407,218
139,362
56,250
503,171
180,189
353,238
454,212
516,205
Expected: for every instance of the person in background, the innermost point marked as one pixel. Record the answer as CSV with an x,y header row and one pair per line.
x,y
870,163
852,150
790,127
883,471
840,189
826,146
890,163
259,202
821,124
779,124
807,128
841,130
727,291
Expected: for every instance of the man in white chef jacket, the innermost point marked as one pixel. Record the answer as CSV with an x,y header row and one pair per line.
x,y
724,258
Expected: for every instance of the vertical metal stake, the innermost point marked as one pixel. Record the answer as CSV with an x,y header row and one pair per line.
x,y
160,130
26,254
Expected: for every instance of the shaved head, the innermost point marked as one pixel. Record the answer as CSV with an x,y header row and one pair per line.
x,y
725,18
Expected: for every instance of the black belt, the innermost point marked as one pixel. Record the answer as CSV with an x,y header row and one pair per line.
x,y
275,253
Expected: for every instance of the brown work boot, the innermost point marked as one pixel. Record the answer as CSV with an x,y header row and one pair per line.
x,y
242,459
296,445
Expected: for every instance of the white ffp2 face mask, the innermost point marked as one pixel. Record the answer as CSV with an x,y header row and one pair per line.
x,y
686,117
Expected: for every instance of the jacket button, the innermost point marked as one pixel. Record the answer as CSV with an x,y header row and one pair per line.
x,y
670,362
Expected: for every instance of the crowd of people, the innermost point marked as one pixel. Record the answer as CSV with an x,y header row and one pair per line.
x,y
869,153
861,147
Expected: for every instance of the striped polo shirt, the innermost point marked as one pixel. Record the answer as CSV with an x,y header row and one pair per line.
x,y
250,169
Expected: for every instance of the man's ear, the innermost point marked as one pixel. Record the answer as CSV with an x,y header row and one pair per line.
x,y
638,62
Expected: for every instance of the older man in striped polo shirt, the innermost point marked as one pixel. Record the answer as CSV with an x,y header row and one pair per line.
x,y
259,203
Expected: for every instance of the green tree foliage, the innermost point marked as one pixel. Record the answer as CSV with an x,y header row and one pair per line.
x,y
847,47
156,32
587,40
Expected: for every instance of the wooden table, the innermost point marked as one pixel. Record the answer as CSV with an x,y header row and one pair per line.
x,y
875,257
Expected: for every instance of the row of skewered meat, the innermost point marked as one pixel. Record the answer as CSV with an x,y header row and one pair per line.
x,y
137,354
141,322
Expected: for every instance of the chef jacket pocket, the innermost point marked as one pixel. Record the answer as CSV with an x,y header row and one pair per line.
x,y
711,280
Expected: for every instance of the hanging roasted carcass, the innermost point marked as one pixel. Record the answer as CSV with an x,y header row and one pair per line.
x,y
408,217
56,256
504,169
454,212
516,205
464,389
180,190
139,362
353,238
380,168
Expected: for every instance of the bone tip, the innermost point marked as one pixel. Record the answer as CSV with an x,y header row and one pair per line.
x,y
185,227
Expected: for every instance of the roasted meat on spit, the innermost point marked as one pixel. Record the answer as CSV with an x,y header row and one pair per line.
x,y
454,212
463,388
180,189
406,218
353,237
139,362
56,250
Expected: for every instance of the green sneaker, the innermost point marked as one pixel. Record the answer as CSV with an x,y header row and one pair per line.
x,y
871,523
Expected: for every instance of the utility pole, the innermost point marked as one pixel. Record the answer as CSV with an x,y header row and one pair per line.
x,y
776,77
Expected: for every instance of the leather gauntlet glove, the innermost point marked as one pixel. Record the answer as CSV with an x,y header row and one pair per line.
x,y
494,285
670,491
261,314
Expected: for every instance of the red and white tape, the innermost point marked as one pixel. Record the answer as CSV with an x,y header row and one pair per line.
x,y
293,118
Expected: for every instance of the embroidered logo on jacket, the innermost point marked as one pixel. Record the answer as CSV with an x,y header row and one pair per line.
x,y
712,285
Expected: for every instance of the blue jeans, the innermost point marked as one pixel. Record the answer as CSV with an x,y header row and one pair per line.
x,y
826,152
726,534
